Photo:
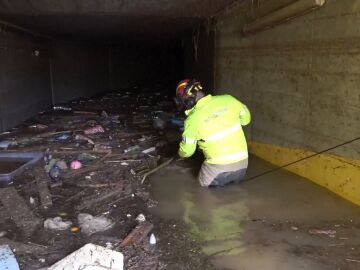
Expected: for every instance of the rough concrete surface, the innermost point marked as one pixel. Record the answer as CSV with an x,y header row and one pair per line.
x,y
24,77
300,78
121,8
78,71
199,55
101,21
28,84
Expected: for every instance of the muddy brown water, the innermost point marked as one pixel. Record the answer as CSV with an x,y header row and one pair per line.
x,y
263,223
9,165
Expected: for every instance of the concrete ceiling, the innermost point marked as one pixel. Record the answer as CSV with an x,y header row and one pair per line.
x,y
110,20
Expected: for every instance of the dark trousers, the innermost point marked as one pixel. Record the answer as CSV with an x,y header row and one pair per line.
x,y
228,177
222,174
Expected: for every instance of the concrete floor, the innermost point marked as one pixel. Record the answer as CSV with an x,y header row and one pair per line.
x,y
264,223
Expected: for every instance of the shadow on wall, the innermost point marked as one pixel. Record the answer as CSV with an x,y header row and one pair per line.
x,y
24,77
142,66
199,51
78,71
61,72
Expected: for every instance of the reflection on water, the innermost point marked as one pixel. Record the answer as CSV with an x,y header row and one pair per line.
x,y
249,226
214,216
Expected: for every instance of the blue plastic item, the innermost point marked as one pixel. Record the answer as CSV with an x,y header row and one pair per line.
x,y
177,122
63,137
14,163
7,259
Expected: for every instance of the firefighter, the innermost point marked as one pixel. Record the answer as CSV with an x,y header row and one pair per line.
x,y
214,123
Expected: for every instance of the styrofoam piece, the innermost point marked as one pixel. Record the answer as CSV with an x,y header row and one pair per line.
x,y
91,257
90,224
149,150
57,224
7,258
6,143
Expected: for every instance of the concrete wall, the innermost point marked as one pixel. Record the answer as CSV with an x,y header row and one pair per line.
x,y
199,56
78,71
66,71
300,79
61,72
24,77
301,82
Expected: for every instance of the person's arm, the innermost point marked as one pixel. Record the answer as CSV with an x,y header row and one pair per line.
x,y
243,112
245,116
187,146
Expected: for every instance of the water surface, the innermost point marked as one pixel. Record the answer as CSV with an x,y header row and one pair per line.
x,y
262,223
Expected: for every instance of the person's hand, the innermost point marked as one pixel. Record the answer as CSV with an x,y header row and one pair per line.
x,y
178,158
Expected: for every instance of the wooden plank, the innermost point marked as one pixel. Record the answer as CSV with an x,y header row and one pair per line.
x,y
43,188
88,203
18,210
138,234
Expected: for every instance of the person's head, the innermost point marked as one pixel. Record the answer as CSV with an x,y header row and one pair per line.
x,y
188,92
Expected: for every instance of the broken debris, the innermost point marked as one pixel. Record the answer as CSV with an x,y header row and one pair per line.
x,y
113,139
330,233
90,201
57,224
20,213
90,224
138,234
152,239
140,218
94,130
21,248
91,257
75,165
80,137
5,144
43,189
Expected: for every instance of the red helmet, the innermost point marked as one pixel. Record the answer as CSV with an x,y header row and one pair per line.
x,y
186,92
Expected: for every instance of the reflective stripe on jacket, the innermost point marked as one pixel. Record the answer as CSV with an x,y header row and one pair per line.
x,y
215,124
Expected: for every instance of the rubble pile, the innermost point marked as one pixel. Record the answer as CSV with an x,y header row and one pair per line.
x,y
87,189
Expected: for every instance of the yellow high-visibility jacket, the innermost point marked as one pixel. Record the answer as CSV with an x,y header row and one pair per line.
x,y
215,124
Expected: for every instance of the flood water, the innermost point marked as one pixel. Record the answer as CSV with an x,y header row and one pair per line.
x,y
263,223
8,165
